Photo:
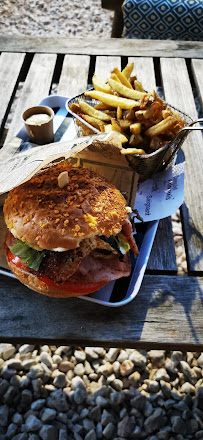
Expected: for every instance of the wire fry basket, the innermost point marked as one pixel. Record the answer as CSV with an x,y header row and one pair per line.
x,y
149,164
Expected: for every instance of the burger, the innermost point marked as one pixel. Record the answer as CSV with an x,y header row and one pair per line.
x,y
68,232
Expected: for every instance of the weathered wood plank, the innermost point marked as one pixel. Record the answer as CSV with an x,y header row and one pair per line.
x,y
167,313
113,46
163,257
197,68
36,87
10,66
178,92
104,66
144,70
73,79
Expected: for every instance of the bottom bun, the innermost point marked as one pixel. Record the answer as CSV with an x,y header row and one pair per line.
x,y
39,286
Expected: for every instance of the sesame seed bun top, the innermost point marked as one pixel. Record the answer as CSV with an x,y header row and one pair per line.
x,y
46,216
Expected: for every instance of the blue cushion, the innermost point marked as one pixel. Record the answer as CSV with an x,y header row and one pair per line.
x,y
163,19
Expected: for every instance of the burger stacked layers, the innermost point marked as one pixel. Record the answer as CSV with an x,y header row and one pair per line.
x,y
67,239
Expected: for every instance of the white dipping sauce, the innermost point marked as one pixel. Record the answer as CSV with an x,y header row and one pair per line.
x,y
38,119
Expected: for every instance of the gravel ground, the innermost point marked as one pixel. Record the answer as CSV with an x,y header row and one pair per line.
x,y
90,393
55,17
64,393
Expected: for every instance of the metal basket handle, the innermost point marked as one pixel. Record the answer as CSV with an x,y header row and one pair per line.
x,y
188,128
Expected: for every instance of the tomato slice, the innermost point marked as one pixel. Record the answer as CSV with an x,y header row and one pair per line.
x,y
69,286
14,259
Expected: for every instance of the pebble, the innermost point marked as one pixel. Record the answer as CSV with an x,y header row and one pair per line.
x,y
152,386
48,432
79,395
11,431
138,359
46,359
188,372
57,400
187,388
77,382
109,430
26,348
80,355
112,354
60,380
33,423
162,374
178,425
157,357
126,367
79,369
91,353
48,415
6,351
62,434
138,402
91,435
199,397
3,415
125,426
153,422
23,436
38,404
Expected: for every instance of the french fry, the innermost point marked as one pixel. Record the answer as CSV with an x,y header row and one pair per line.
x,y
128,70
108,128
125,91
86,131
116,126
136,128
115,78
92,121
138,86
122,78
125,124
100,85
144,114
132,151
119,113
161,127
135,139
114,101
142,121
89,110
102,106
75,107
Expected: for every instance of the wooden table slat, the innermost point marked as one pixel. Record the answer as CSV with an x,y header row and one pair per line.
x,y
10,66
178,91
197,69
144,70
111,46
73,79
36,87
104,65
167,310
163,257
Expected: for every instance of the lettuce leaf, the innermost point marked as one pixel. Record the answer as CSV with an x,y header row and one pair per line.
x,y
120,245
31,257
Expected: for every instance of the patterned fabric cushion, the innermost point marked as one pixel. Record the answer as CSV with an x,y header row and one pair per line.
x,y
163,19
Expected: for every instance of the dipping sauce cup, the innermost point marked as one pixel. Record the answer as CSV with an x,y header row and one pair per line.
x,y
39,124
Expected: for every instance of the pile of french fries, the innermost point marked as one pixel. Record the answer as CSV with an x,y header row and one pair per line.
x,y
142,120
